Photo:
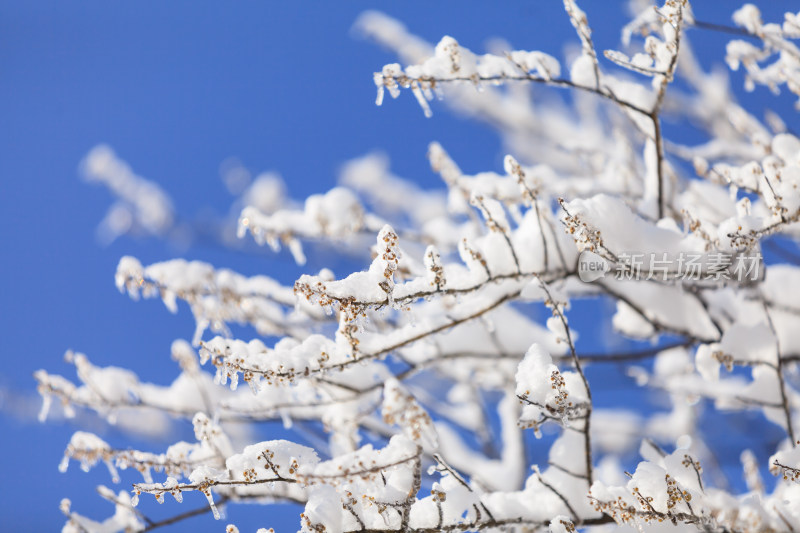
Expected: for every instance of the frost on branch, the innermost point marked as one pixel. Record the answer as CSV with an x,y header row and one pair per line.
x,y
179,459
452,62
124,518
336,214
546,392
142,205
777,61
410,384
217,297
118,395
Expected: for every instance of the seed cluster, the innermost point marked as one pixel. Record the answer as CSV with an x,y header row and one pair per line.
x,y
789,473
475,255
230,366
624,512
528,193
619,510
568,526
675,494
557,383
491,223
724,358
434,265
586,237
402,409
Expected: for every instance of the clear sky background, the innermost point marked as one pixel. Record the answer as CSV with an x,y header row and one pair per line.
x,y
176,88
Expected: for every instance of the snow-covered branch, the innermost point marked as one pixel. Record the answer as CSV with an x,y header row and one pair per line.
x,y
465,370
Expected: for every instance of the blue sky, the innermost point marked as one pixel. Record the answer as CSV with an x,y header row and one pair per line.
x,y
176,88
